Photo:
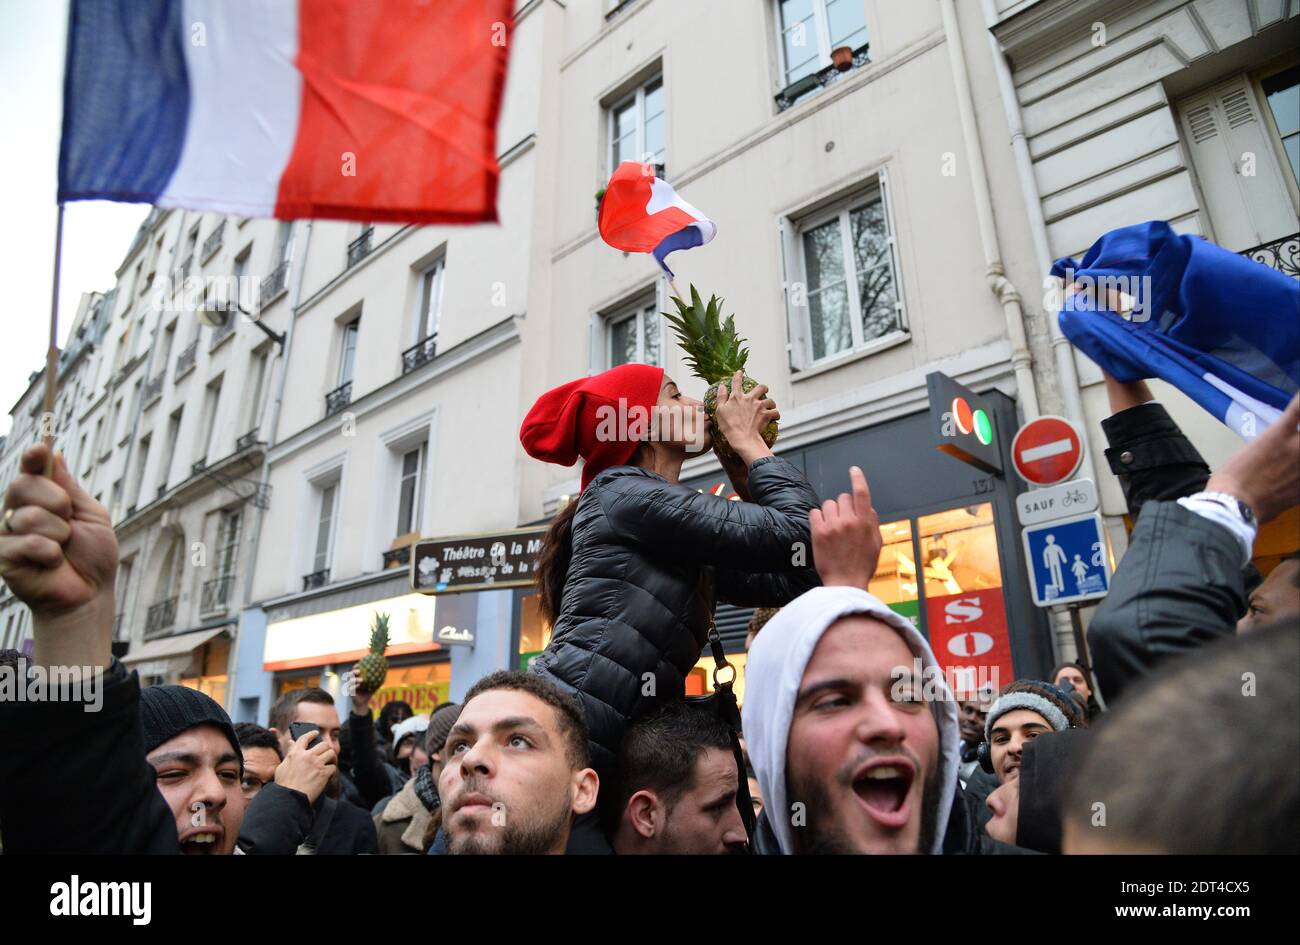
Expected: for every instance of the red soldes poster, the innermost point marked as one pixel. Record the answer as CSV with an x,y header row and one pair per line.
x,y
968,633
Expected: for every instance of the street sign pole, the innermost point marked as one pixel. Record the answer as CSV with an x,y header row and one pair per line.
x,y
1080,644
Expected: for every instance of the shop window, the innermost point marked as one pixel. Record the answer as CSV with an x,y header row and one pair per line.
x,y
285,684
895,579
961,571
534,631
423,687
207,670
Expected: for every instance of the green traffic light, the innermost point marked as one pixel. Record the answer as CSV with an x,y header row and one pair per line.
x,y
983,427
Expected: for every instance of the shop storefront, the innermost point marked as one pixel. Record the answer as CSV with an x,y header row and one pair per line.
x,y
199,659
951,560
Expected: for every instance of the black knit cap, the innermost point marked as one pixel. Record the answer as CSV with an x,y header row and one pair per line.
x,y
166,711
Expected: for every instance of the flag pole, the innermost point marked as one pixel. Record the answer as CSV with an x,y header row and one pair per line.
x,y
52,352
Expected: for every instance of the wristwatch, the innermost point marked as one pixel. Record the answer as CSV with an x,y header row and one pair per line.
x,y
1234,506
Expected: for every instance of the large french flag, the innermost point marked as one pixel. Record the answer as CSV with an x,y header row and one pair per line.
x,y
376,110
642,214
1223,329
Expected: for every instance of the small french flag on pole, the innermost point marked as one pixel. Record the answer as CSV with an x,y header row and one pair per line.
x,y
375,110
642,214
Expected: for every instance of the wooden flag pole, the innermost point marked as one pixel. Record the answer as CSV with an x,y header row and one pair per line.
x,y
52,353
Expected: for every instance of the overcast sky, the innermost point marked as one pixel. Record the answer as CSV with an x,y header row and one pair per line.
x,y
96,234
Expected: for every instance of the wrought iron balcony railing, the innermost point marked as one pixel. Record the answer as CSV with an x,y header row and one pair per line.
x,y
819,80
398,557
273,286
216,594
185,360
1282,254
316,579
420,353
213,242
359,248
160,616
153,389
338,398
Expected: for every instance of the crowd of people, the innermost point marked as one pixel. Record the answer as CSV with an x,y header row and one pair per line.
x,y
848,740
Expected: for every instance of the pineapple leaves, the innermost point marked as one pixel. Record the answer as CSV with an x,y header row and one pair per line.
x,y
713,349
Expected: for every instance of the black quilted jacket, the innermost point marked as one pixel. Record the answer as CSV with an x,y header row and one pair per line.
x,y
635,610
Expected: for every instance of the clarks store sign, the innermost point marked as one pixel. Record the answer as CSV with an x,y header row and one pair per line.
x,y
475,563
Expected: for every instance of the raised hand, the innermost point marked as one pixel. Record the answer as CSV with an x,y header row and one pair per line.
x,y
307,770
846,536
741,417
58,552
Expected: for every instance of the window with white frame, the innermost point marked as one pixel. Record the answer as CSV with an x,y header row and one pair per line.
x,y
430,313
849,275
326,512
228,542
810,29
410,490
636,126
632,335
348,351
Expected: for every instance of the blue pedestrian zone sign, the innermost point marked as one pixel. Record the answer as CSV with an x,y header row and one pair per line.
x,y
1067,560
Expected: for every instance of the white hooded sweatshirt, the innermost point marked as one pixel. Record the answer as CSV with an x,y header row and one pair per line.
x,y
774,670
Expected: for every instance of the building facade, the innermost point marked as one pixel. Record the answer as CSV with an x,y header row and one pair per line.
x,y
891,182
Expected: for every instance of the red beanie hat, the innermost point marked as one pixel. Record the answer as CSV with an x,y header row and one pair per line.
x,y
563,423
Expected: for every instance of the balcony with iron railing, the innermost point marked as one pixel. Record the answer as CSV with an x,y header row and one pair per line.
x,y
420,353
153,388
338,398
213,242
1281,254
316,579
360,247
185,360
273,286
216,595
219,335
397,558
819,80
160,617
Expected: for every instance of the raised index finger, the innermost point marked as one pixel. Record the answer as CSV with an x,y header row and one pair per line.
x,y
861,492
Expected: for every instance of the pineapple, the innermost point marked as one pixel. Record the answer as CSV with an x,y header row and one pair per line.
x,y
714,352
373,668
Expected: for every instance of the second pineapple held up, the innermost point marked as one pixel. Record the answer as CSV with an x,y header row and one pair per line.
x,y
714,352
372,669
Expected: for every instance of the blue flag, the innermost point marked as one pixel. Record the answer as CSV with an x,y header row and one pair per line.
x,y
1223,329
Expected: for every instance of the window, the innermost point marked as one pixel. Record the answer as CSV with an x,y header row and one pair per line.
x,y
410,491
632,335
173,434
328,496
810,29
848,262
1244,170
228,543
241,293
282,234
431,281
169,340
141,461
1282,92
211,398
348,351
636,126
257,373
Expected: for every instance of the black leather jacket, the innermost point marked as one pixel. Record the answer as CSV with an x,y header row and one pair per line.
x,y
635,611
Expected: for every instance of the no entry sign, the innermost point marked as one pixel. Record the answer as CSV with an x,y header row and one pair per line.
x,y
1047,451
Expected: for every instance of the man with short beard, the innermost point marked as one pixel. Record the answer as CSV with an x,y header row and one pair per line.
x,y
678,785
516,772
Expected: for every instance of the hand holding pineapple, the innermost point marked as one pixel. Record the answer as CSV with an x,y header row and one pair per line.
x,y
741,417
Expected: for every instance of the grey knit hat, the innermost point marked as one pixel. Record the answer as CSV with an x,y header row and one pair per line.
x,y
166,711
1054,704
